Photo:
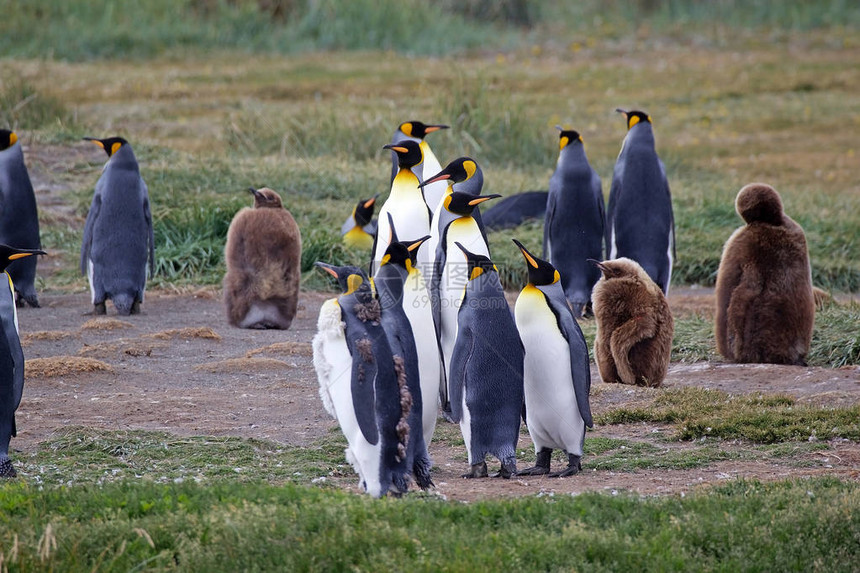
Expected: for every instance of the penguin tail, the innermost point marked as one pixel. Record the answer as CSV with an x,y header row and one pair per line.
x,y
124,303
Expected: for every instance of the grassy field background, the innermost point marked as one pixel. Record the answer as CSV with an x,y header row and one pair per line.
x,y
217,95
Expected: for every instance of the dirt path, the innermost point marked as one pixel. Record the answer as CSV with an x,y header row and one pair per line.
x,y
212,379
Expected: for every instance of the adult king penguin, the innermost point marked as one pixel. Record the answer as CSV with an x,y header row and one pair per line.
x,y
633,342
556,373
118,236
765,301
19,218
359,229
11,356
486,373
389,282
640,224
405,203
264,257
419,312
362,385
573,226
416,131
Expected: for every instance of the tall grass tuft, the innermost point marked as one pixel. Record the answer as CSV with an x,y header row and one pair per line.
x,y
24,107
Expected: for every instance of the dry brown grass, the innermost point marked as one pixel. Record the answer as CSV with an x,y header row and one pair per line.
x,y
48,335
131,347
105,324
243,365
54,366
288,348
186,333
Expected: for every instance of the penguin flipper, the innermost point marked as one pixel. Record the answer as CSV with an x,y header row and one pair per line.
x,y
463,350
580,369
363,384
547,225
87,242
597,189
147,215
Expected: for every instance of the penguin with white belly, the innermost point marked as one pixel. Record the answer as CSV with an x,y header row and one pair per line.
x,y
362,385
556,373
486,372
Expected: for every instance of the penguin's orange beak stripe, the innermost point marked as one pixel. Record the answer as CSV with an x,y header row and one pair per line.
x,y
399,149
479,200
441,177
332,272
19,256
369,202
99,143
529,258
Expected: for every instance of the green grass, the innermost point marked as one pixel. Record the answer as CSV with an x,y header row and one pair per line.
x,y
786,526
764,419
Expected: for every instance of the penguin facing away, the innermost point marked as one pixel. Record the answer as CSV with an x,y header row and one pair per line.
x,y
486,371
389,282
765,300
11,356
557,375
416,131
640,224
359,229
574,222
362,385
516,209
118,236
633,343
263,256
19,217
405,202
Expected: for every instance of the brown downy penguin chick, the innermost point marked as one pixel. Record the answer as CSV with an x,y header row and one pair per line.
x,y
634,325
263,256
765,302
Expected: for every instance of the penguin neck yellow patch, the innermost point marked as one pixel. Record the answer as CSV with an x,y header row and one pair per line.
x,y
409,266
562,142
555,277
632,120
470,167
476,272
385,260
352,283
13,137
407,128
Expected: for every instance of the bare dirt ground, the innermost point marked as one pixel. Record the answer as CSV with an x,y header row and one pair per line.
x,y
179,367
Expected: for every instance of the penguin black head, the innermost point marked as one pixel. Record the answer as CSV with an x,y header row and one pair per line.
x,y
478,264
9,254
397,254
111,145
461,203
265,198
364,211
566,137
7,139
409,153
418,129
758,202
350,279
634,117
540,272
459,170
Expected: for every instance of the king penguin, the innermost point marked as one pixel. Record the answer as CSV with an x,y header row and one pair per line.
x,y
118,236
405,202
633,343
359,229
263,255
640,224
765,301
417,131
389,282
486,373
556,372
11,357
573,225
19,218
416,304
362,385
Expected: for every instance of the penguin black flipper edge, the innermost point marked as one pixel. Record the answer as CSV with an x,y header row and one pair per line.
x,y
457,375
580,368
87,242
364,372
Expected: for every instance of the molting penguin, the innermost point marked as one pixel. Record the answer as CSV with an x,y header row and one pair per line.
x,y
118,236
11,356
362,385
389,282
573,226
557,375
417,131
640,224
486,371
405,202
765,300
359,229
19,218
263,256
633,343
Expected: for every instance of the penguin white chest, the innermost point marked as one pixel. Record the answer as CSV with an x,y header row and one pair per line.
x,y
552,414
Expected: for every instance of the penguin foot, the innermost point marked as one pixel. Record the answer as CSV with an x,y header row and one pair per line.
x,y
135,307
541,466
479,470
534,471
574,466
32,301
98,308
507,470
7,470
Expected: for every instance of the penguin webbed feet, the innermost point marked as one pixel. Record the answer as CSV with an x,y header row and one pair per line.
x,y
574,466
23,300
99,308
7,470
541,466
478,470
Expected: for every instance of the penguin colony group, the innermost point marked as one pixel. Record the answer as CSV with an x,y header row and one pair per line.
x,y
426,326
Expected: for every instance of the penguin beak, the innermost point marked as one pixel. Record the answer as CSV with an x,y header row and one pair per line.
x,y
607,272
462,248
559,128
432,128
395,147
369,203
330,269
417,244
482,198
441,176
96,141
528,256
252,191
619,110
16,256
